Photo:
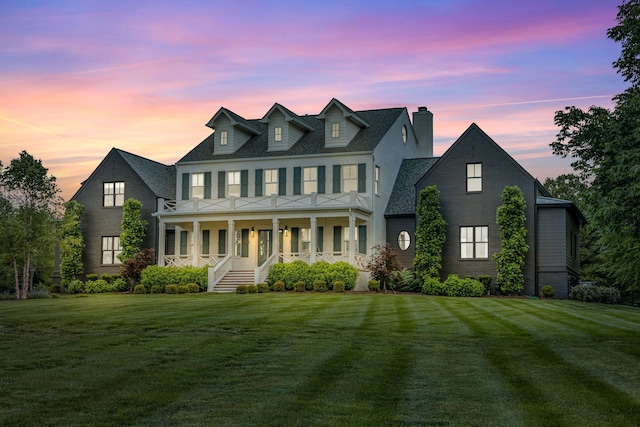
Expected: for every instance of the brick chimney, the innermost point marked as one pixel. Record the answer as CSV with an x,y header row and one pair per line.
x,y
423,128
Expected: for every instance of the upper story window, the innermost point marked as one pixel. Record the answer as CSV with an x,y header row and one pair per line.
x,y
111,249
233,184
270,182
404,133
277,134
310,180
197,185
349,178
224,137
113,194
474,177
335,130
474,242
376,181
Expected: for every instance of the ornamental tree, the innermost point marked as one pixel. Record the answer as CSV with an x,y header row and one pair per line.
x,y
430,234
511,219
133,229
383,264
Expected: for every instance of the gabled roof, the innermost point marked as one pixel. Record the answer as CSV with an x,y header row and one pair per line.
x,y
289,116
403,197
312,142
346,111
235,120
159,178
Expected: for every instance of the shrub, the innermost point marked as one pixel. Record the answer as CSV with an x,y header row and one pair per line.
x,y
183,289
263,288
193,288
485,279
110,278
548,291
405,281
156,289
320,286
253,289
299,286
163,276
97,286
373,285
338,286
278,286
602,294
456,287
139,289
92,277
132,268
299,271
242,289
54,289
119,285
171,289
433,286
75,286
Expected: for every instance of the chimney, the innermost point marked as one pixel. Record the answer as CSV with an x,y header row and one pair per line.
x,y
423,128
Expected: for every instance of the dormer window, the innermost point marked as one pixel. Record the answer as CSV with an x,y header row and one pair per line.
x,y
335,130
224,137
277,134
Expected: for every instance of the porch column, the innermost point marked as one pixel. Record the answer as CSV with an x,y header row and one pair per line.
x,y
195,250
314,239
162,231
275,240
230,237
352,238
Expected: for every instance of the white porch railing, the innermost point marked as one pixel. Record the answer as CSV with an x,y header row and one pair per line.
x,y
185,260
235,204
218,272
262,271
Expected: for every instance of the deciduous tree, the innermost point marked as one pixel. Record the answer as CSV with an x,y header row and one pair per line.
x,y
383,264
71,243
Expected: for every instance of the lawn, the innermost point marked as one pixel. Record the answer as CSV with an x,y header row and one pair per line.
x,y
317,359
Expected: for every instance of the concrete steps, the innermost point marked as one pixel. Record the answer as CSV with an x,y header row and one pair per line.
x,y
232,279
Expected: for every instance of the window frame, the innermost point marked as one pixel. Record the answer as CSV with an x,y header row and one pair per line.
x,y
277,134
232,184
269,175
224,137
196,181
114,190
308,182
376,180
477,241
349,178
110,249
404,239
335,130
474,176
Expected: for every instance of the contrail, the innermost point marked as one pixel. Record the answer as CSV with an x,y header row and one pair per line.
x,y
19,123
542,101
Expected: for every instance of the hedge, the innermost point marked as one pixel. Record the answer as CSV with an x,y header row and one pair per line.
x,y
299,271
163,276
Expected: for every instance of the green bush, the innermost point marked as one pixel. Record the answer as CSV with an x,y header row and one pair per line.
x,y
97,286
54,289
263,288
548,291
92,277
119,285
278,286
299,271
300,286
75,286
373,285
156,289
183,289
601,294
405,281
242,289
110,278
338,286
193,288
433,286
252,289
170,289
163,276
139,289
454,286
485,279
320,286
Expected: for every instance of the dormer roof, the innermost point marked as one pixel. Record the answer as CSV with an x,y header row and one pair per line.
x,y
235,120
289,116
346,112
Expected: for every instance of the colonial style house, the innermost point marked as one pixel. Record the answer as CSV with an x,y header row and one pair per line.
x,y
325,187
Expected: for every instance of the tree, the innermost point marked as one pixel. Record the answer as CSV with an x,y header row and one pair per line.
x,y
30,206
133,229
430,234
606,147
132,268
511,218
383,264
71,243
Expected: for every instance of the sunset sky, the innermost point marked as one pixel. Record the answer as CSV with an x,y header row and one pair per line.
x,y
80,77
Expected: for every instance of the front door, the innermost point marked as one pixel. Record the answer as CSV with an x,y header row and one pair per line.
x,y
264,245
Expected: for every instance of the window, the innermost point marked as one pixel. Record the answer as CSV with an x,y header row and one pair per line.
x,y
233,186
110,250
474,242
335,130
224,135
241,243
474,177
270,182
404,133
309,180
349,178
197,185
277,134
376,181
305,239
113,193
404,240
345,230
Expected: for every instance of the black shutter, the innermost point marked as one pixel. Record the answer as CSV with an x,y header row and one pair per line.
x,y
221,184
244,251
295,234
337,238
362,178
320,239
185,186
207,185
205,242
337,171
321,179
183,242
244,183
297,180
222,242
362,239
282,182
258,189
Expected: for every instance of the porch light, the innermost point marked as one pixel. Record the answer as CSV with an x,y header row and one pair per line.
x,y
253,232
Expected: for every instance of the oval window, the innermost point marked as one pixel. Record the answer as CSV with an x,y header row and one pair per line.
x,y
404,240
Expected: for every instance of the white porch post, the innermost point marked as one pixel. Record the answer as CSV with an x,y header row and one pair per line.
x,y
230,237
275,241
352,238
195,250
162,231
314,239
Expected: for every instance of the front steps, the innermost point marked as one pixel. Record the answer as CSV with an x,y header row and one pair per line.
x,y
232,279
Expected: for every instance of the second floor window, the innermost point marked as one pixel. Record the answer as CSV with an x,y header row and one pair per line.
x,y
349,178
335,130
233,184
270,182
376,181
113,194
474,177
197,185
309,180
224,135
277,134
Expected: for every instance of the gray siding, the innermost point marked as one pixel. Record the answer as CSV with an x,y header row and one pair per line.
x,y
394,227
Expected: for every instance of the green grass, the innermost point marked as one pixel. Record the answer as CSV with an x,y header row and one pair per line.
x,y
317,359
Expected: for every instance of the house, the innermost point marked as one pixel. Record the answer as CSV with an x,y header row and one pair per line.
x,y
470,177
119,176
326,187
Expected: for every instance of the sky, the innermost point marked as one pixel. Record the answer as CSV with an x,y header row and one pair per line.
x,y
80,77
